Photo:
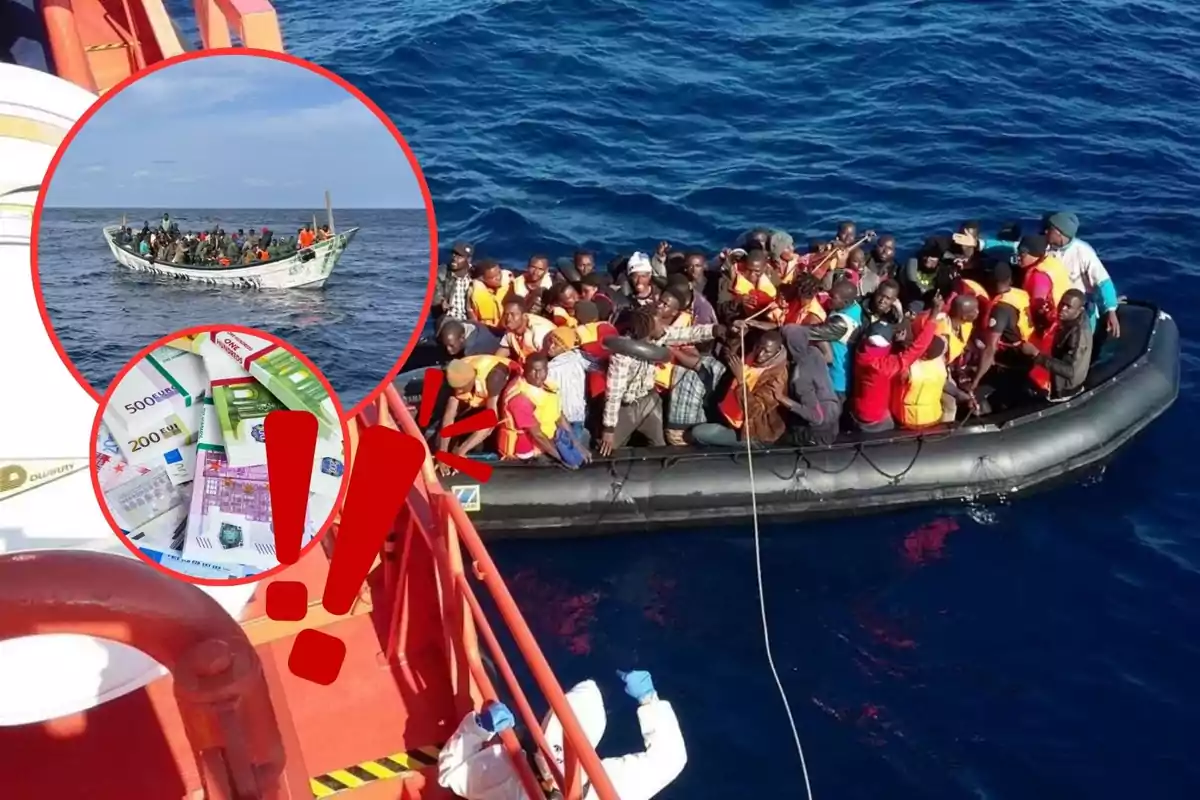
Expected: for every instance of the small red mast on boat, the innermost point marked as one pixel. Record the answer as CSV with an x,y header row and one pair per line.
x,y
232,723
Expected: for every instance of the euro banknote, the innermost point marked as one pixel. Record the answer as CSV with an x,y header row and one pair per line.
x,y
166,382
284,375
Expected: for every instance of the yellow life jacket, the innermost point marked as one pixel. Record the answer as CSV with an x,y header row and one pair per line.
x,y
588,332
1018,299
562,318
917,402
520,286
1056,271
529,342
956,343
488,304
546,410
684,320
742,286
476,395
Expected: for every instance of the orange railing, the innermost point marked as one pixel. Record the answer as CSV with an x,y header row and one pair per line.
x,y
436,518
96,44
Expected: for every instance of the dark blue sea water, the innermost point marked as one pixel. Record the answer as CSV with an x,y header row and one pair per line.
x,y
1049,648
354,328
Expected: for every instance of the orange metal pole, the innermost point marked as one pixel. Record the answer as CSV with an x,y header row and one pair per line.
x,y
70,59
514,687
528,646
222,693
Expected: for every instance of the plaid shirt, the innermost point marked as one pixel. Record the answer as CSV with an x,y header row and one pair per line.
x,y
457,291
631,379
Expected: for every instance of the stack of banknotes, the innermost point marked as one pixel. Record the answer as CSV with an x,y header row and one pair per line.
x,y
181,452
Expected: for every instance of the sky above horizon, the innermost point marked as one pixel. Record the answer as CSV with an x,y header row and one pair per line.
x,y
234,131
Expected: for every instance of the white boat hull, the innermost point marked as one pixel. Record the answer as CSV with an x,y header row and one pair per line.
x,y
287,273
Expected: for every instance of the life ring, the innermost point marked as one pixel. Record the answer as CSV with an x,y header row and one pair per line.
x,y
643,351
566,268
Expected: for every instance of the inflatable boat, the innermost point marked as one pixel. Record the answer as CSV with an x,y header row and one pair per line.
x,y
1132,381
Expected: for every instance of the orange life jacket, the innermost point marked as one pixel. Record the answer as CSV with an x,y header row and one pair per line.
x,y
1039,375
488,303
530,341
956,343
731,404
546,410
306,238
799,310
562,318
476,395
917,397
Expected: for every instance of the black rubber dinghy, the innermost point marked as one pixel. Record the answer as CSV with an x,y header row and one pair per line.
x,y
1133,380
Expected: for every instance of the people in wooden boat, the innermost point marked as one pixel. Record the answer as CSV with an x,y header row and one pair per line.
x,y
452,295
532,422
762,418
524,333
568,373
306,236
1062,354
459,338
475,765
488,291
475,382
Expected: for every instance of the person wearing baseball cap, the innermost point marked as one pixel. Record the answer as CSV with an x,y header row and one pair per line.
x,y
452,294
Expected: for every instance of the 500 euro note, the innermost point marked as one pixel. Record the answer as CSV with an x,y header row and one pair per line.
x,y
164,383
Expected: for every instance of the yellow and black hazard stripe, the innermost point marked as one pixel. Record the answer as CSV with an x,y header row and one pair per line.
x,y
394,766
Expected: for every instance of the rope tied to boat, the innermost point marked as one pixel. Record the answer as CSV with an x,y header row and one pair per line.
x,y
762,600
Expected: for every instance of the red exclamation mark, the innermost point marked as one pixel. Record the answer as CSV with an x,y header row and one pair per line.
x,y
291,446
385,466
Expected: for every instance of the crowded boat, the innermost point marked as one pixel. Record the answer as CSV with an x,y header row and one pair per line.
x,y
764,345
166,243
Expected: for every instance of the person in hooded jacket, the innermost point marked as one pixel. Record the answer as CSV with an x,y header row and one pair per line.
x,y
474,764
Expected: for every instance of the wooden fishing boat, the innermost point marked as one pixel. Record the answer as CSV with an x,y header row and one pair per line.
x,y
309,268
96,44
231,721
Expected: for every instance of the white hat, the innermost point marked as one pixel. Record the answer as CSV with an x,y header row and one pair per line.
x,y
639,264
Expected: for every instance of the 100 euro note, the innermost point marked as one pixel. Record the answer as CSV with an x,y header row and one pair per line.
x,y
241,404
284,375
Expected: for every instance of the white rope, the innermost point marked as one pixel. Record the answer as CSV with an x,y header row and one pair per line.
x,y
762,600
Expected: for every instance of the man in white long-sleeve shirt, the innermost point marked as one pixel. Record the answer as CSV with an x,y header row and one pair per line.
x,y
475,766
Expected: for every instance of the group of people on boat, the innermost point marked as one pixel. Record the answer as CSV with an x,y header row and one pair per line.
x,y
215,248
765,342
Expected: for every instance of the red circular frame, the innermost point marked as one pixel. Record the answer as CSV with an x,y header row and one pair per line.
x,y
95,474
430,219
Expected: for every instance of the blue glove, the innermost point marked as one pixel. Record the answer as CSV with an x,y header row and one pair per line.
x,y
637,684
496,718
